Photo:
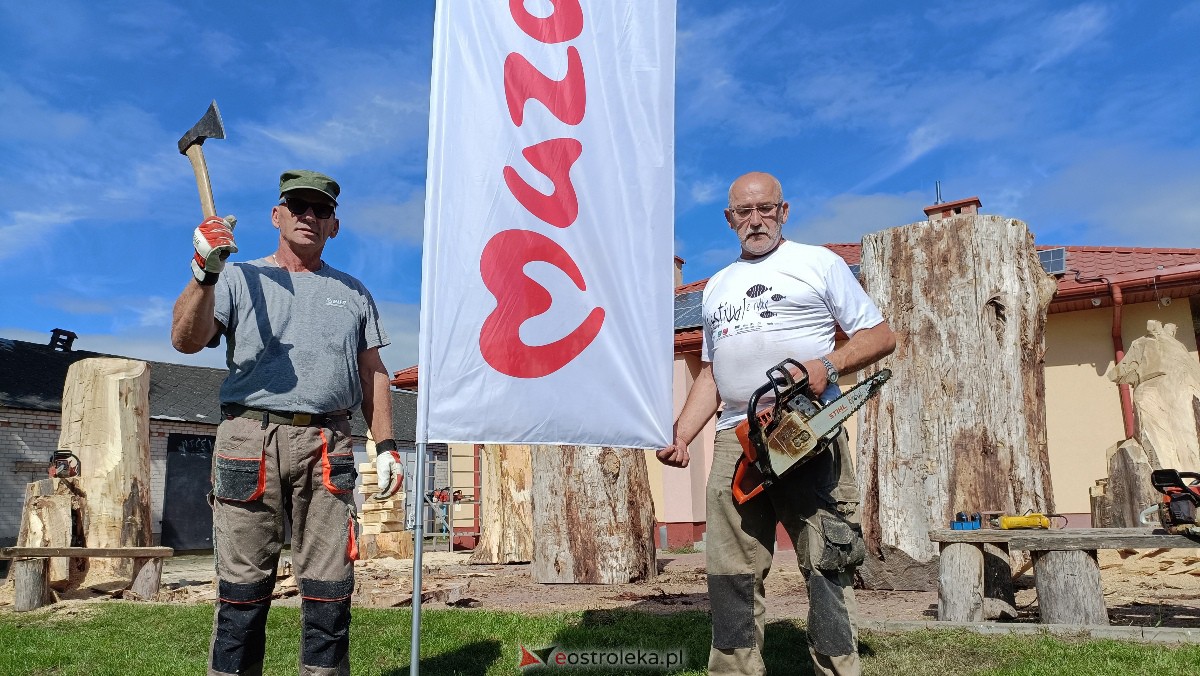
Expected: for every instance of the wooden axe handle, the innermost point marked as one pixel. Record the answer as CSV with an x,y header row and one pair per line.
x,y
195,153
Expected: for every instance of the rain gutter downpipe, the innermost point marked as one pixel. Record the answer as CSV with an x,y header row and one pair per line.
x,y
1119,350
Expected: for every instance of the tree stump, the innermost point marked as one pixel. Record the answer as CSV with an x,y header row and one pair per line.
x,y
593,518
30,588
962,424
1129,489
48,519
960,583
1068,588
507,478
106,423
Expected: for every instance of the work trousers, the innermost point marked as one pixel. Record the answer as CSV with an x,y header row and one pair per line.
x,y
262,474
817,503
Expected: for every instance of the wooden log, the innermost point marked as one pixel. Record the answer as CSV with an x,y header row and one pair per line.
x,y
592,515
147,578
960,583
506,533
1068,538
88,552
48,519
105,422
1101,504
962,424
396,545
1068,588
31,588
1129,488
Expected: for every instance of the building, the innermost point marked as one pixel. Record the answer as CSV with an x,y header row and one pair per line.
x,y
1104,298
184,413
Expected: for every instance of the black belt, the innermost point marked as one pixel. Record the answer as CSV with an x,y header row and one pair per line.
x,y
231,411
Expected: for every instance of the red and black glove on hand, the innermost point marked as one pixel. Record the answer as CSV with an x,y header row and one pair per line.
x,y
213,240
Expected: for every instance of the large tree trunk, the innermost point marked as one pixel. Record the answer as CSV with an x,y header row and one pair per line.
x,y
506,528
962,424
106,423
593,517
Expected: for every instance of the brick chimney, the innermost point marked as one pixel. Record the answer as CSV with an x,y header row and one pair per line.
x,y
61,339
964,207
678,271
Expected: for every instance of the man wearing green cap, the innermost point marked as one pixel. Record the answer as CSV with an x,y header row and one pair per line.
x,y
302,345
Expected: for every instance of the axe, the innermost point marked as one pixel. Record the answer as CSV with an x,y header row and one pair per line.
x,y
209,126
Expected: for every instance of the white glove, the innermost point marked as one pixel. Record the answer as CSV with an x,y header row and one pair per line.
x,y
213,240
391,475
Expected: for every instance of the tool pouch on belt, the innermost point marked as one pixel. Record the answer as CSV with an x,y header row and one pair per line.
x,y
844,545
239,469
337,464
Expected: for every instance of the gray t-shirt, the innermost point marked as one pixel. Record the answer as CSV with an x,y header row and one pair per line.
x,y
293,338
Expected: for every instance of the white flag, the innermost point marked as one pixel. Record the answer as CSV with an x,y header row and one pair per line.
x,y
548,272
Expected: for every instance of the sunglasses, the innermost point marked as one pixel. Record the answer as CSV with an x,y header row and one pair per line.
x,y
298,207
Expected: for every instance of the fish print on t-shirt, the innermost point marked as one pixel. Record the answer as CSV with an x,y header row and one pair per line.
x,y
752,314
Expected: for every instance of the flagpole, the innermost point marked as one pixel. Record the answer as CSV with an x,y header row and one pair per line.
x,y
414,667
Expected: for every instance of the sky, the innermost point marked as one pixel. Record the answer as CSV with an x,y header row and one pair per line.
x,y
1081,119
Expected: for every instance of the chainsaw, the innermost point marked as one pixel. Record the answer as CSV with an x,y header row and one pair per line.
x,y
794,430
63,465
1179,511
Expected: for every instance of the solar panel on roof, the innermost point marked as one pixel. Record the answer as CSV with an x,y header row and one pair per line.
x,y
688,313
1054,261
854,269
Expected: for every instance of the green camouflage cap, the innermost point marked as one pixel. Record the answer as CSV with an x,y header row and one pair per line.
x,y
303,179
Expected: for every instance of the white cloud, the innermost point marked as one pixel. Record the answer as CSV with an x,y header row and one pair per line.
x,y
402,321
1067,32
846,218
1128,195
21,230
708,190
393,221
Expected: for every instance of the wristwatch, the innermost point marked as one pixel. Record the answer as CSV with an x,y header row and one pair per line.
x,y
829,369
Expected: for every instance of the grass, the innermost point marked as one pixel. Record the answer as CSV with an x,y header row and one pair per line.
x,y
126,638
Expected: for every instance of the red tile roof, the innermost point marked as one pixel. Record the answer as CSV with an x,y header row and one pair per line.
x,y
1092,263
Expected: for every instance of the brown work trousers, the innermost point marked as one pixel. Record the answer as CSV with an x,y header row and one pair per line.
x,y
262,474
817,503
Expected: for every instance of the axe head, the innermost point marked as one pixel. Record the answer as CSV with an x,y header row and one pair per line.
x,y
209,126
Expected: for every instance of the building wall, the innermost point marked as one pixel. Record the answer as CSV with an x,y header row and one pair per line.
x,y
28,438
1083,412
1083,408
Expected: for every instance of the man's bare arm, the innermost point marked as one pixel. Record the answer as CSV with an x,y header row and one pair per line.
x,y
864,348
701,405
377,394
193,324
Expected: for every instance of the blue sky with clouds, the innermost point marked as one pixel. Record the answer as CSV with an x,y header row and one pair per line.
x,y
1082,119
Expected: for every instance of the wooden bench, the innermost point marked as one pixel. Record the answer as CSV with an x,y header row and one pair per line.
x,y
974,563
30,570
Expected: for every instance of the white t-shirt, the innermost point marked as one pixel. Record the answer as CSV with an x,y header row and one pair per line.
x,y
786,304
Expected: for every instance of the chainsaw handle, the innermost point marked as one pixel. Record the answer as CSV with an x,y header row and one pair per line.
x,y
752,409
779,380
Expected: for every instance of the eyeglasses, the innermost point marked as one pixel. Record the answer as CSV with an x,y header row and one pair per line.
x,y
298,207
764,210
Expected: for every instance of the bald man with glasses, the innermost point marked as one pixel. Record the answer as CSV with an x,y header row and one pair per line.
x,y
778,300
302,347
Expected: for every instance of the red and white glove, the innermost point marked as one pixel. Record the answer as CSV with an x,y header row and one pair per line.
x,y
390,471
213,240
